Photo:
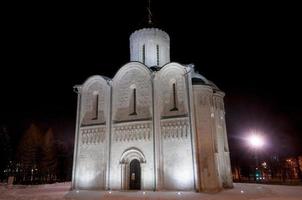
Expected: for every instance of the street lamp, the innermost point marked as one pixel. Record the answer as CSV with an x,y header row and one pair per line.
x,y
256,141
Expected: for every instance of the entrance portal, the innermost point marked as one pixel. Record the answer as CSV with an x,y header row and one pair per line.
x,y
135,175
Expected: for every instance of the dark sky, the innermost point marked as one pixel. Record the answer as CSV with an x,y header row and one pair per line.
x,y
251,51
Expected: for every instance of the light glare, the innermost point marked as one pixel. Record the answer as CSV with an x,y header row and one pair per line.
x,y
256,141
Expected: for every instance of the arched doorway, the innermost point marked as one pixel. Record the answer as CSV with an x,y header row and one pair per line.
x,y
132,169
135,175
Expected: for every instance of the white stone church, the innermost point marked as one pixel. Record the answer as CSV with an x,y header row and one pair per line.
x,y
156,125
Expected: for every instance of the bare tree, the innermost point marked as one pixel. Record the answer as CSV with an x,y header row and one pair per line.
x,y
49,158
29,153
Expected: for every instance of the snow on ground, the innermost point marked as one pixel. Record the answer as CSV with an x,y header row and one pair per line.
x,y
60,191
55,191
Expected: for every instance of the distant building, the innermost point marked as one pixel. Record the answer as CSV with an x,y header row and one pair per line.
x,y
156,125
274,170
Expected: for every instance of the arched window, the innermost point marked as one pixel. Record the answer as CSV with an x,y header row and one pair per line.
x,y
174,98
157,54
95,106
144,54
133,102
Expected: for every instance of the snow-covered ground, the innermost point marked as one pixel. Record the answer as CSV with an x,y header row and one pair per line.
x,y
60,191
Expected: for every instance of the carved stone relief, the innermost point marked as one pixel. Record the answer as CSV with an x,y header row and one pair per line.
x,y
132,132
92,135
175,129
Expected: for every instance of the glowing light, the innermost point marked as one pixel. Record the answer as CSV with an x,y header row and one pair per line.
x,y
256,140
144,193
179,193
77,191
109,192
241,191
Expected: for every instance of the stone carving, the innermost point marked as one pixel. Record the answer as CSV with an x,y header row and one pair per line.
x,y
132,132
93,135
175,129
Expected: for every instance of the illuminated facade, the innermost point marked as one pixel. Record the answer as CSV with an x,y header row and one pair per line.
x,y
156,125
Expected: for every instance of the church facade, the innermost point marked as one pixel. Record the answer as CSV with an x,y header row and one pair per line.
x,y
156,125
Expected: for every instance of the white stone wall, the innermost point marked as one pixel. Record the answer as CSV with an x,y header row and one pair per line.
x,y
177,132
132,131
91,163
94,90
177,155
91,144
129,77
212,149
128,136
175,144
222,155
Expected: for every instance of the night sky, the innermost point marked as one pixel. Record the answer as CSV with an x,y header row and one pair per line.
x,y
251,51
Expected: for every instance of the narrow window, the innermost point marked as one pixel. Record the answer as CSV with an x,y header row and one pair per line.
x,y
144,54
157,54
174,98
134,103
96,107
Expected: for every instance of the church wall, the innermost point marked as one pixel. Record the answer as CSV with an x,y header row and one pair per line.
x,y
135,135
92,136
91,171
132,93
207,152
223,157
132,126
175,164
177,155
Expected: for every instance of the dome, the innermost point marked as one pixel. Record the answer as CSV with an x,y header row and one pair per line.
x,y
150,46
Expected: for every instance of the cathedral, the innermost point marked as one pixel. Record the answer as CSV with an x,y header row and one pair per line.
x,y
156,125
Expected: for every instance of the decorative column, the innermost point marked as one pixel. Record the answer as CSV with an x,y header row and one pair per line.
x,y
143,165
77,89
123,175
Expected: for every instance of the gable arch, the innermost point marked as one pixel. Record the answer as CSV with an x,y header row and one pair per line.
x,y
140,67
95,79
94,104
171,86
132,92
132,153
173,66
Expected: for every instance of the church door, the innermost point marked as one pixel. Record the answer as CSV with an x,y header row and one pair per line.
x,y
135,175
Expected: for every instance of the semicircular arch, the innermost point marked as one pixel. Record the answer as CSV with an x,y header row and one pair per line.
x,y
132,153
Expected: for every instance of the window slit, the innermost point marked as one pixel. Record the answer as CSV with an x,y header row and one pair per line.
x,y
157,54
174,98
96,107
134,102
144,54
